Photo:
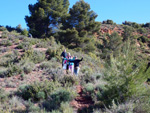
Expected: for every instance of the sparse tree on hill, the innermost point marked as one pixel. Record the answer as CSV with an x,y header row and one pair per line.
x,y
46,15
24,32
82,17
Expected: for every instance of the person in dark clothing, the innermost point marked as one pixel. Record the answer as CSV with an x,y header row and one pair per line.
x,y
63,55
76,65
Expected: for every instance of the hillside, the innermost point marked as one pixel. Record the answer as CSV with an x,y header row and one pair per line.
x,y
112,77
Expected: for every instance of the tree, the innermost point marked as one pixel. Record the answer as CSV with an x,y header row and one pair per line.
x,y
24,32
114,41
19,28
70,37
128,32
82,17
46,15
108,22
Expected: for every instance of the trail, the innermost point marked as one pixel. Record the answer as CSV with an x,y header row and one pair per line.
x,y
81,101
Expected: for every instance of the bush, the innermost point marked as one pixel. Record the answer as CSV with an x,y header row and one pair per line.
x,y
50,53
143,39
3,50
3,29
24,32
66,108
5,43
24,45
87,78
121,108
89,89
56,98
13,70
141,30
37,91
68,80
4,35
42,44
3,72
9,58
90,47
28,67
108,22
31,108
3,95
37,57
40,95
46,65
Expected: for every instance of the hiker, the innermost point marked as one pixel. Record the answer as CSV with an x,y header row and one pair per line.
x,y
68,63
71,66
76,65
63,55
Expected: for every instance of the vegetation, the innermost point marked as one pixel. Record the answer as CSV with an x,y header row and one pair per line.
x,y
113,75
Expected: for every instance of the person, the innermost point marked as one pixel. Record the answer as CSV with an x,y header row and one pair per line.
x,y
63,55
68,63
76,64
71,66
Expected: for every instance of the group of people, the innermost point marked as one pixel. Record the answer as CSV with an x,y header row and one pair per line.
x,y
70,63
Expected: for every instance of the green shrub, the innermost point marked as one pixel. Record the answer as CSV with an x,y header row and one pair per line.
x,y
143,39
3,29
20,46
66,108
5,43
68,80
24,32
13,70
50,53
4,35
56,98
90,47
98,76
40,95
31,41
141,30
46,65
92,55
86,69
87,78
24,45
37,91
9,58
89,88
37,57
22,75
3,50
78,49
3,72
14,32
31,108
3,95
42,44
28,67
121,108
54,74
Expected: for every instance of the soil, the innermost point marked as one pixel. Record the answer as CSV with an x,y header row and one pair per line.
x,y
81,101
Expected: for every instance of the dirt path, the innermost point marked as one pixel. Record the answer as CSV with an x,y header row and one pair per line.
x,y
81,101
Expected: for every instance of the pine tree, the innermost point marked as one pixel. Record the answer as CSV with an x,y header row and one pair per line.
x,y
46,15
82,17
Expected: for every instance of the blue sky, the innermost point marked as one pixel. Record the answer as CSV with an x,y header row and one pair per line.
x,y
12,12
